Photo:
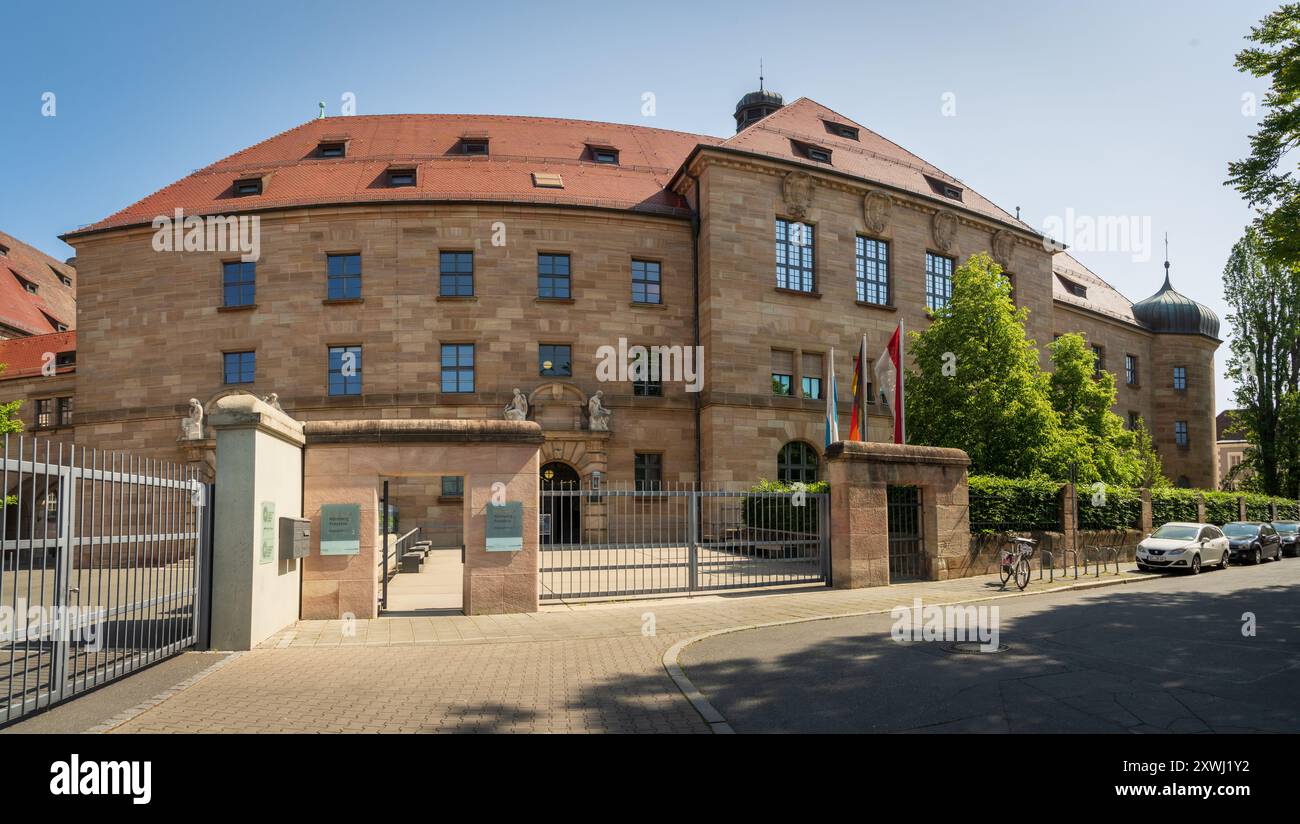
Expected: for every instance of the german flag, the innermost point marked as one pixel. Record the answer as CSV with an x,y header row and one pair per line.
x,y
855,423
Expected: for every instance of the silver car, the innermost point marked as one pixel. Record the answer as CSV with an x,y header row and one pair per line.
x,y
1183,546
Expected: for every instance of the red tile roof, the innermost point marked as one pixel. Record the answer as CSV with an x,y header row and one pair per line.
x,y
1102,297
870,157
52,303
519,146
24,357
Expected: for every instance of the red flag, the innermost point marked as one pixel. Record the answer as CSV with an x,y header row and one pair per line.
x,y
889,377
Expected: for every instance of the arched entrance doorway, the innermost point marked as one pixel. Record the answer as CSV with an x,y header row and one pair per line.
x,y
563,511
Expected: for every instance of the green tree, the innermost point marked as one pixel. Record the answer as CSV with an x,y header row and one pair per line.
x,y
9,420
978,385
1265,177
1093,439
1264,310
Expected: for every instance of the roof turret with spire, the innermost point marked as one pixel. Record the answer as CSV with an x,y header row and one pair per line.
x,y
1170,311
755,106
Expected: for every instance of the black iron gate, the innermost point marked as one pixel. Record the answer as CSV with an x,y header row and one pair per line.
x,y
906,535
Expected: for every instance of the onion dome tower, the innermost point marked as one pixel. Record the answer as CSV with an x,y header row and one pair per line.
x,y
1173,312
755,106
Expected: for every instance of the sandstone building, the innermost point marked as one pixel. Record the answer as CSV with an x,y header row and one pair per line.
x,y
428,265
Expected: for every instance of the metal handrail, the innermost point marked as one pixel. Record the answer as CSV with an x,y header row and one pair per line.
x,y
399,546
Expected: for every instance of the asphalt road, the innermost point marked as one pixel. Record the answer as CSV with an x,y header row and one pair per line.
x,y
1165,655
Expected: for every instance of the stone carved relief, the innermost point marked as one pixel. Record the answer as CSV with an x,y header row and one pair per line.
x,y
876,209
797,191
1004,246
944,228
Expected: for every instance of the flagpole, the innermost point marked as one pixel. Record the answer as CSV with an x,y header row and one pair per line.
x,y
902,374
862,398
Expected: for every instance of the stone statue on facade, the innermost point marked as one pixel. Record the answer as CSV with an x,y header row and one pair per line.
x,y
273,400
192,424
517,409
597,413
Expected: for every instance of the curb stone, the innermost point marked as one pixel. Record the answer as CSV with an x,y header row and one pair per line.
x,y
139,709
719,725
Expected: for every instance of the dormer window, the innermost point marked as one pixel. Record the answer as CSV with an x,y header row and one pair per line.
x,y
4,250
547,180
1076,289
474,146
247,187
401,176
64,279
841,130
817,154
65,358
335,148
25,283
603,154
943,188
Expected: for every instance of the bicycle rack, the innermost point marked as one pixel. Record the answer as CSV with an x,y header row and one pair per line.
x,y
1051,565
1101,558
1075,553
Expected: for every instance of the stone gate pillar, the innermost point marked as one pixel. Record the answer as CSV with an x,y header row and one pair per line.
x,y
259,481
860,474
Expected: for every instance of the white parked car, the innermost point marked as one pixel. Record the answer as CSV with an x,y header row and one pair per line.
x,y
1184,546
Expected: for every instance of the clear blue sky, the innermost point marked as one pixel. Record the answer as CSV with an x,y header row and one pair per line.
x,y
1106,108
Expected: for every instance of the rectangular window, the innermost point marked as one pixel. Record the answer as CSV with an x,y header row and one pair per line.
x,y
345,370
1180,377
238,281
1133,419
1180,433
332,149
44,415
456,274
240,367
1098,360
245,188
873,271
649,470
453,486
938,281
1131,370
794,256
555,360
553,277
474,146
645,282
458,367
401,177
811,376
65,411
782,372
604,155
344,276
646,380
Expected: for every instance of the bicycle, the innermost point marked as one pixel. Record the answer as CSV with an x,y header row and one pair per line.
x,y
1015,561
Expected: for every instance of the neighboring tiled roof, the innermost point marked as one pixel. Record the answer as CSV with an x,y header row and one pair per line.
x,y
518,147
870,157
24,357
35,314
1223,428
1102,297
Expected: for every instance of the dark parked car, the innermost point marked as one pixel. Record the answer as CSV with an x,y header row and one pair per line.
x,y
1289,532
1250,542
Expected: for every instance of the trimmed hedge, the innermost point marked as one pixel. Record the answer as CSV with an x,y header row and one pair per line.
x,y
1013,505
1119,508
1172,504
779,513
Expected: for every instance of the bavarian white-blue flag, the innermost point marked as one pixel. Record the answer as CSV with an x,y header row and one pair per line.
x,y
832,418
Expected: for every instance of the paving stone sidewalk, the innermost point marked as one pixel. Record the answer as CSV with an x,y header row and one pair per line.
x,y
580,668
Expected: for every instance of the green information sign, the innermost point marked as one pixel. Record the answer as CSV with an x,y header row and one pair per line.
x,y
505,527
268,532
340,529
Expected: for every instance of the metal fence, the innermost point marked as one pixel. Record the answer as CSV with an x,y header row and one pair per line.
x,y
102,563
611,542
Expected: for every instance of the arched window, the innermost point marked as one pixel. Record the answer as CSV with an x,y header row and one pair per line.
x,y
797,461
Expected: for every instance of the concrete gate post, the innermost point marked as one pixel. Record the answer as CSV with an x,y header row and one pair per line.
x,y
860,474
259,473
